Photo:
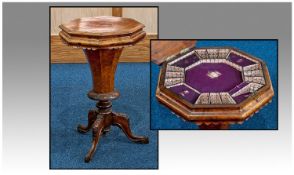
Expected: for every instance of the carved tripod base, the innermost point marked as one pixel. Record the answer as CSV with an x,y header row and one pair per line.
x,y
100,121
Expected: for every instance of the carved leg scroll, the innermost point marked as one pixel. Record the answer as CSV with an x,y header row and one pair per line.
x,y
91,119
98,127
122,121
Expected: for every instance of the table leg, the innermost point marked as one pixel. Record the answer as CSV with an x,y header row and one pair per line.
x,y
91,119
122,121
100,123
103,118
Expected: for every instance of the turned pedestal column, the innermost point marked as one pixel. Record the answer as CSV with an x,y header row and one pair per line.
x,y
102,40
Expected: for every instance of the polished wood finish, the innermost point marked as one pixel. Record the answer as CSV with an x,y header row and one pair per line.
x,y
214,116
102,26
60,53
145,15
103,39
162,49
100,121
103,65
140,52
102,32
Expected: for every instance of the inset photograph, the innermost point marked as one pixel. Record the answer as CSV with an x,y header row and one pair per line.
x,y
100,88
214,84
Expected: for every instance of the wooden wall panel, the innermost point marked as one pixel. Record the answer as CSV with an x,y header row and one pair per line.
x,y
64,15
147,16
117,11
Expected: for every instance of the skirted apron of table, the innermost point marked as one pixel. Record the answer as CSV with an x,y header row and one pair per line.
x,y
212,87
102,40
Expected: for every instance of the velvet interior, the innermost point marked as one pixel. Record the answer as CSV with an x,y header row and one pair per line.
x,y
242,97
197,77
186,61
237,88
185,92
239,60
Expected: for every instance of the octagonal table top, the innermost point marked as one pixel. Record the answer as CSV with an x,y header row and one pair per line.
x,y
102,32
160,49
102,26
214,84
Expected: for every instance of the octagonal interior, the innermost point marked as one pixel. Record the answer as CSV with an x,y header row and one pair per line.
x,y
214,76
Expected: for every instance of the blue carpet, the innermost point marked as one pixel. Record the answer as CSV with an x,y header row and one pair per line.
x,y
69,107
267,118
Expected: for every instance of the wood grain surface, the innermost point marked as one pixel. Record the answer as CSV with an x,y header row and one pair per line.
x,y
146,15
140,52
102,32
103,63
101,26
161,49
61,53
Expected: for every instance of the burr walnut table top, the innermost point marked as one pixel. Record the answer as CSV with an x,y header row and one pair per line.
x,y
213,85
102,32
161,49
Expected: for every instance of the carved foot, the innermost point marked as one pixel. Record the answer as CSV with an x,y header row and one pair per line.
x,y
98,128
91,119
122,121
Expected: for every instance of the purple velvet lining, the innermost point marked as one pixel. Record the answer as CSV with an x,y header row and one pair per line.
x,y
185,92
238,87
186,61
242,97
197,77
239,60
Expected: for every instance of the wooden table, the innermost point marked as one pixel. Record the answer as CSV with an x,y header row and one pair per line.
x,y
212,87
102,40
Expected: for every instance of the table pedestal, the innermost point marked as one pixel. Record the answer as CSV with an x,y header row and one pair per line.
x,y
103,63
220,126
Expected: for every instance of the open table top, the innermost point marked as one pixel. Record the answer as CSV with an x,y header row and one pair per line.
x,y
214,85
161,49
102,32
